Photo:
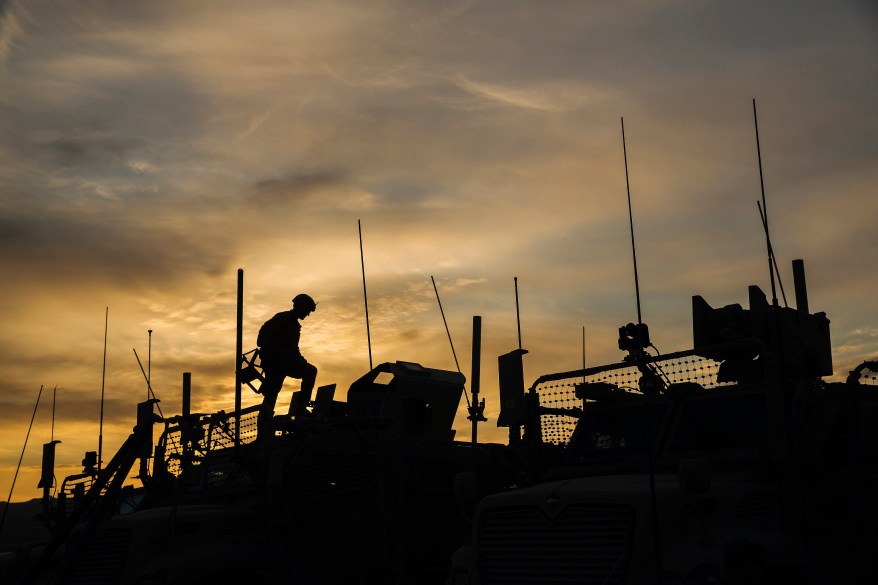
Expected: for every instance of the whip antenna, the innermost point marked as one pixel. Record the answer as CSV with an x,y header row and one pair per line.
x,y
771,256
764,209
15,477
517,313
54,396
239,351
631,224
448,332
583,354
583,347
365,298
636,341
149,361
103,379
149,387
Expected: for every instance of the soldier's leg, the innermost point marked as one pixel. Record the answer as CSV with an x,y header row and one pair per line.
x,y
308,374
309,378
274,381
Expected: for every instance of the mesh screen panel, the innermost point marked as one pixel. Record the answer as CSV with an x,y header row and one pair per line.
x,y
869,377
560,392
202,449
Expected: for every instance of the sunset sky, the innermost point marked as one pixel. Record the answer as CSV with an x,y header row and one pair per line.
x,y
150,149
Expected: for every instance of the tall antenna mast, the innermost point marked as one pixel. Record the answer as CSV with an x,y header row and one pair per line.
x,y
239,350
149,361
583,347
631,224
517,313
771,255
148,385
15,477
54,396
764,209
103,380
583,354
365,298
638,342
448,332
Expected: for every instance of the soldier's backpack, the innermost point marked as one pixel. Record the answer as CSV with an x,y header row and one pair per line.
x,y
272,331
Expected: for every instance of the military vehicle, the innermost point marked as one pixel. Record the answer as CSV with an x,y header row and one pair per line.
x,y
733,462
356,491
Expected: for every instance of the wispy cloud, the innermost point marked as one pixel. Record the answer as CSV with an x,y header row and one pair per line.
x,y
519,97
11,30
256,122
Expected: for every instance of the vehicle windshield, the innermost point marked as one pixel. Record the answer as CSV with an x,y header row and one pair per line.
x,y
616,430
720,422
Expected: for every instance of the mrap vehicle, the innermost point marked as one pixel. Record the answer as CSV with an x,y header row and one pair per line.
x,y
732,462
356,491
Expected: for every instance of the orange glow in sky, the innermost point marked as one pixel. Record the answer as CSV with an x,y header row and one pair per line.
x,y
148,150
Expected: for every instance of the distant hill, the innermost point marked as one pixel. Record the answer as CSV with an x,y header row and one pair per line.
x,y
20,526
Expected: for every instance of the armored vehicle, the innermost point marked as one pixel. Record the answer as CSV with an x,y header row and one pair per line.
x,y
359,491
736,461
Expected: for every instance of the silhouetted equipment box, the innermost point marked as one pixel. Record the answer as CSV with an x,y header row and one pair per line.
x,y
325,404
90,463
146,420
634,337
800,340
420,399
715,327
47,477
512,405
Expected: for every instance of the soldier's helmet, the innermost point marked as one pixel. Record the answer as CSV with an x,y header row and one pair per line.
x,y
303,301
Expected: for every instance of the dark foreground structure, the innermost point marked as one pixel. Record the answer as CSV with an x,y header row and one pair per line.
x,y
732,462
344,492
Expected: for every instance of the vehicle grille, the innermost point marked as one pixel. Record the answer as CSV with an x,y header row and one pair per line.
x,y
103,560
582,544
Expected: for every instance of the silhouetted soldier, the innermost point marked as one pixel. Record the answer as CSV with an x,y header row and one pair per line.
x,y
278,343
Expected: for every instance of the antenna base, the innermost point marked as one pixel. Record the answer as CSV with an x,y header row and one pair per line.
x,y
477,412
